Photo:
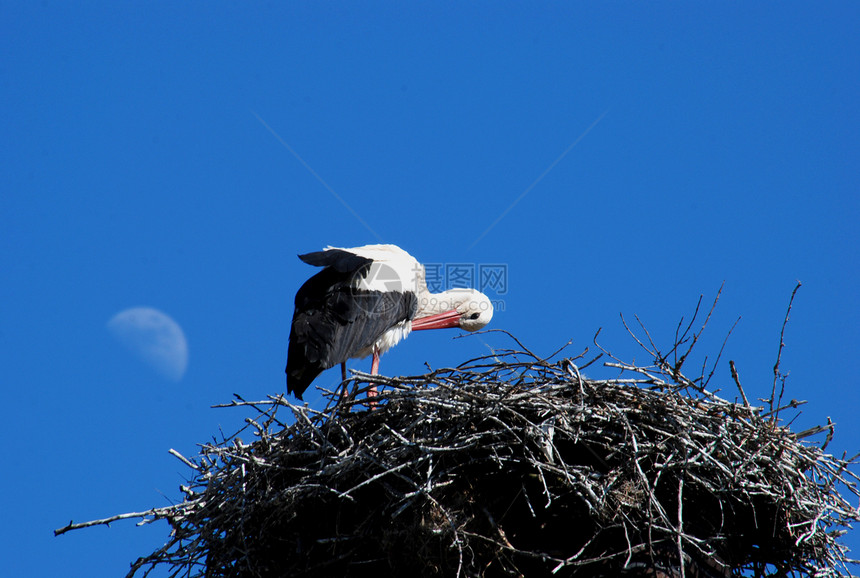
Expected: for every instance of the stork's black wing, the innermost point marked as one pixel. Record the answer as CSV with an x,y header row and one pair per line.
x,y
333,320
338,259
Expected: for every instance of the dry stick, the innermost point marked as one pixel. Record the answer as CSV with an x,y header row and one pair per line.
x,y
508,333
720,353
653,353
147,516
737,380
829,438
696,335
683,339
651,341
184,460
776,373
681,523
680,340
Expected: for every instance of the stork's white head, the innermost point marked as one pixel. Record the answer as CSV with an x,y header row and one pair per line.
x,y
475,309
467,309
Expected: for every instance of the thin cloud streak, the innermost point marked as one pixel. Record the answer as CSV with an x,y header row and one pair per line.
x,y
314,173
539,179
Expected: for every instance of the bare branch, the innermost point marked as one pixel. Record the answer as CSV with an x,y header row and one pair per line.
x,y
696,335
777,375
737,380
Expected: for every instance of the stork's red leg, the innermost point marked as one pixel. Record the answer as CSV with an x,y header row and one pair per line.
x,y
343,378
374,370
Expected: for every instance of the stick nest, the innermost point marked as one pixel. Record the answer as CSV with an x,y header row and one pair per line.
x,y
512,465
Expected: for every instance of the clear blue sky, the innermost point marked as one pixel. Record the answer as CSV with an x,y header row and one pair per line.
x,y
138,170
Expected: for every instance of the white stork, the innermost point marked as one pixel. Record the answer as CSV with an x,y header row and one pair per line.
x,y
363,302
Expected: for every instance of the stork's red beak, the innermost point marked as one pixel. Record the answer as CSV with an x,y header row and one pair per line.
x,y
445,320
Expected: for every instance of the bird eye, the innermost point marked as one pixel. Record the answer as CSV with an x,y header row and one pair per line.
x,y
474,315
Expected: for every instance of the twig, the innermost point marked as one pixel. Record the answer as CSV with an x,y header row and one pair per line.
x,y
148,515
737,381
777,376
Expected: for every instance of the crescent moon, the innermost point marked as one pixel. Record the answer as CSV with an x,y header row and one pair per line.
x,y
154,338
